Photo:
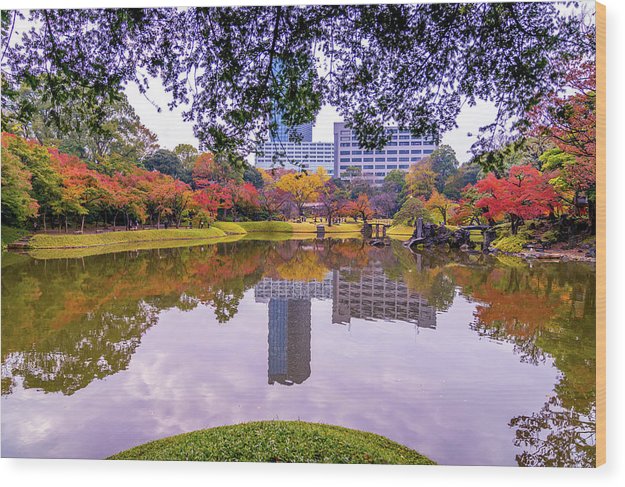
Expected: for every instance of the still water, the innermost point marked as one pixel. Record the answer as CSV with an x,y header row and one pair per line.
x,y
469,359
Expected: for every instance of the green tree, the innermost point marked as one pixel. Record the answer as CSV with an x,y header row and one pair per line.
x,y
187,155
444,164
164,161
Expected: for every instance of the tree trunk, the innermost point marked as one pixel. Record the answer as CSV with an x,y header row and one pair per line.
x,y
65,223
82,224
115,219
44,222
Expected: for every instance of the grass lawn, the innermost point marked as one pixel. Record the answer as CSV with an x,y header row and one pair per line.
x,y
266,227
56,241
401,230
277,441
230,228
11,234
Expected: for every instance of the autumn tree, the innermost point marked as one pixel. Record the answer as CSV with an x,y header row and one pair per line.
x,y
569,122
421,179
440,204
17,203
525,193
332,200
359,208
302,187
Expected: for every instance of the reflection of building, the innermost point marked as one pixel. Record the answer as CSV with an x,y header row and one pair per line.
x,y
368,294
289,341
269,288
350,160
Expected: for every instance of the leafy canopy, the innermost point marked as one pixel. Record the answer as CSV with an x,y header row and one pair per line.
x,y
230,68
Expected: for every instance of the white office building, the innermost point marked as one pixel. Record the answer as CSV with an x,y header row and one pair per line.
x,y
297,155
350,160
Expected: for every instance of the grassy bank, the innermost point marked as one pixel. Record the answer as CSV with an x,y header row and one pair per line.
x,y
59,241
80,252
229,228
277,441
266,227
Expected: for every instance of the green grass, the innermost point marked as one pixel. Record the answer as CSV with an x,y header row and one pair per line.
x,y
58,241
277,441
11,234
229,228
401,230
308,227
266,226
77,253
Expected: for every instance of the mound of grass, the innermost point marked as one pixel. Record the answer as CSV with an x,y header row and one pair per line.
x,y
266,226
12,234
230,228
277,441
50,241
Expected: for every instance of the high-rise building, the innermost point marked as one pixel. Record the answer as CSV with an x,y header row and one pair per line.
x,y
299,133
306,156
351,161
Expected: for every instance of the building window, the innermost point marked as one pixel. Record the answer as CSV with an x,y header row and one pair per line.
x,y
404,151
428,151
415,151
378,166
367,166
404,137
380,174
403,166
391,152
404,143
391,166
404,159
391,159
380,159
344,167
356,152
368,159
392,144
356,159
344,159
344,144
344,152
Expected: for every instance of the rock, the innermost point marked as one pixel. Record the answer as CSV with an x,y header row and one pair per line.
x,y
464,247
564,258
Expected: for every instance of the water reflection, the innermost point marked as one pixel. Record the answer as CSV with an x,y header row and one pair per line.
x,y
69,323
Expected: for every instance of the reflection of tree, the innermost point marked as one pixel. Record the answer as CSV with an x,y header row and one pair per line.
x,y
548,313
68,322
556,437
98,346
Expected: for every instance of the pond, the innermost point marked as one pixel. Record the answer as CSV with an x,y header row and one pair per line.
x,y
468,359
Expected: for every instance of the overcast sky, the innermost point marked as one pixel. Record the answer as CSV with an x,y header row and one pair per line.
x,y
172,130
